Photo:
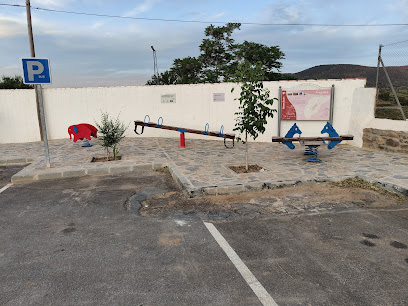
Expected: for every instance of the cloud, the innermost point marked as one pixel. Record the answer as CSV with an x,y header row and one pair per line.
x,y
97,25
10,26
90,57
216,16
51,3
284,11
147,5
87,51
398,5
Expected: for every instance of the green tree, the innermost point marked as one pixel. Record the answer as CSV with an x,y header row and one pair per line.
x,y
254,103
164,78
269,57
15,82
184,71
187,70
218,52
219,59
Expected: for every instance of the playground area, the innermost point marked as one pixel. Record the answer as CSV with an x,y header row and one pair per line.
x,y
202,167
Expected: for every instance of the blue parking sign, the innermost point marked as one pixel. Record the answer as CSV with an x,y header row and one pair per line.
x,y
36,71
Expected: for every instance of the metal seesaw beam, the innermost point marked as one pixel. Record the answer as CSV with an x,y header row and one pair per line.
x,y
340,138
174,128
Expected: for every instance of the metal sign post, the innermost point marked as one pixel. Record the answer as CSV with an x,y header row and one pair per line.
x,y
43,127
331,105
280,111
37,71
40,72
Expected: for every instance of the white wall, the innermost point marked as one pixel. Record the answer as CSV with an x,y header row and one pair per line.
x,y
362,112
362,116
193,108
18,116
384,124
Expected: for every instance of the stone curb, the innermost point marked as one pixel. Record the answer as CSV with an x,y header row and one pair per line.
x,y
16,161
222,190
181,181
186,186
386,185
24,177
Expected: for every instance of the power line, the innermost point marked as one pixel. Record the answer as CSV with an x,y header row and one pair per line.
x,y
208,22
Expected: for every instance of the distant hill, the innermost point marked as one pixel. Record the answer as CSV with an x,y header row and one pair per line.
x,y
398,75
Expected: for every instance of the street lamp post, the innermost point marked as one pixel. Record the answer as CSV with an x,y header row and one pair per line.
x,y
155,70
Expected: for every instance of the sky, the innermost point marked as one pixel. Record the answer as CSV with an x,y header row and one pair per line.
x,y
87,51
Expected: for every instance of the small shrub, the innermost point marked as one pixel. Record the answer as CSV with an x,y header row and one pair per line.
x,y
385,96
403,100
112,131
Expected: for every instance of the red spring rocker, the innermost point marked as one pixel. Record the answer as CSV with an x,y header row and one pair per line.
x,y
82,131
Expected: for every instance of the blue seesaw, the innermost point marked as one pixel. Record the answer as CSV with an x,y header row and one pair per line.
x,y
312,143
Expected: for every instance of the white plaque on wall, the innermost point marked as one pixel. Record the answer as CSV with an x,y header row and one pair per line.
x,y
218,97
171,98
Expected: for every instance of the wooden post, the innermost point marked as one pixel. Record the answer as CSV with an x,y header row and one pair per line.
x,y
37,88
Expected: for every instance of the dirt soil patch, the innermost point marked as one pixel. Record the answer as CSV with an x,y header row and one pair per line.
x,y
251,168
104,159
313,198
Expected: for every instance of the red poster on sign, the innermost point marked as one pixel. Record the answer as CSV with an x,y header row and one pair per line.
x,y
288,111
306,104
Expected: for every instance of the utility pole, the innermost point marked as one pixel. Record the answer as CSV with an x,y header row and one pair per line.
x,y
38,91
32,51
155,70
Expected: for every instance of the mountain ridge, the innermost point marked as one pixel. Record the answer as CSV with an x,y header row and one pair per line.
x,y
398,74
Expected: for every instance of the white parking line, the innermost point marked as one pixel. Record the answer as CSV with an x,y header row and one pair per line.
x,y
5,187
251,280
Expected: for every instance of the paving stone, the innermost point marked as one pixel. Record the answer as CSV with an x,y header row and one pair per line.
x,y
202,165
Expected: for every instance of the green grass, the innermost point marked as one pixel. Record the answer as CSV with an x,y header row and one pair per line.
x,y
393,114
386,98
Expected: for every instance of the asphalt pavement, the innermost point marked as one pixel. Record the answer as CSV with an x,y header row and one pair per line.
x,y
7,171
76,241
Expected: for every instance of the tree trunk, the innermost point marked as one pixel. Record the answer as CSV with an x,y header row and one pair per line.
x,y
246,152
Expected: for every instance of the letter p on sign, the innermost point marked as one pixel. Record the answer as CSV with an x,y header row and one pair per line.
x,y
36,71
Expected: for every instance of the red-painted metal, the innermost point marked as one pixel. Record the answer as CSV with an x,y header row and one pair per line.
x,y
182,141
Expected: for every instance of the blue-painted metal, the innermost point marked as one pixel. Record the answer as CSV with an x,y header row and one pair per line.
x,y
221,131
146,122
206,128
292,131
312,152
36,71
181,130
332,133
159,125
